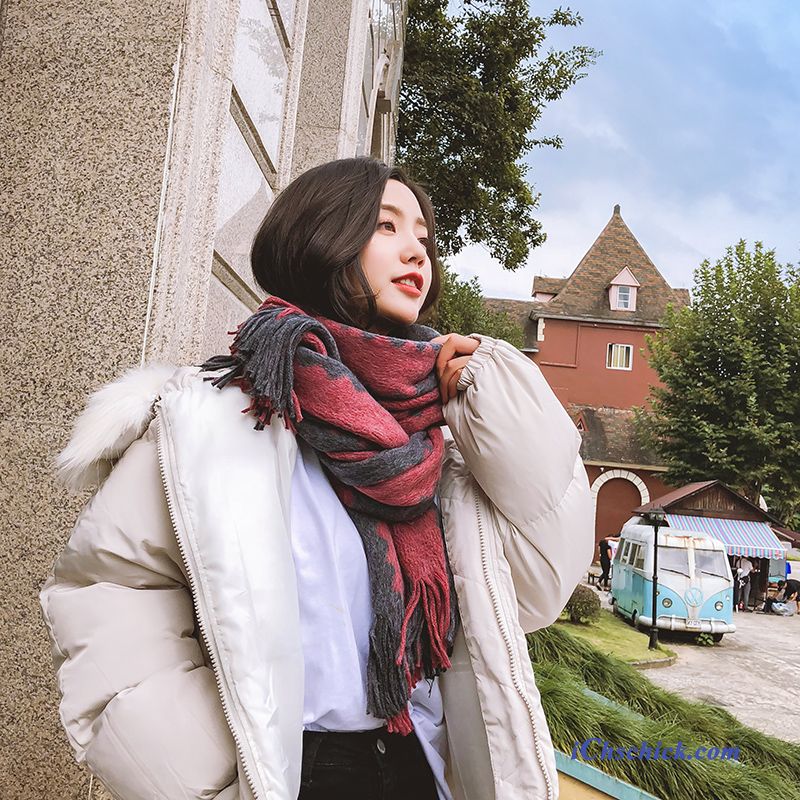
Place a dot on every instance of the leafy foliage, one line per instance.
(461, 310)
(475, 83)
(583, 606)
(729, 407)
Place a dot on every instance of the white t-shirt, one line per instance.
(336, 616)
(745, 567)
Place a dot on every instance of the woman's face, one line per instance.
(395, 260)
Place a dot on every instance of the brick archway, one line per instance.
(625, 491)
(625, 474)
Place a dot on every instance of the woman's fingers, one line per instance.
(449, 376)
(445, 354)
(455, 353)
(453, 383)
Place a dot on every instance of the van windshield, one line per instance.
(711, 562)
(674, 559)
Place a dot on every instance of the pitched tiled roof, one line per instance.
(670, 498)
(793, 537)
(676, 496)
(519, 311)
(610, 437)
(584, 293)
(548, 285)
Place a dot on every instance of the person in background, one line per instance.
(787, 592)
(745, 569)
(779, 595)
(605, 563)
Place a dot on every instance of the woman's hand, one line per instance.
(453, 357)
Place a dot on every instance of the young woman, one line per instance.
(325, 596)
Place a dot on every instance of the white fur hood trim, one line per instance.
(115, 416)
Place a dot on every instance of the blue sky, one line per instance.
(690, 120)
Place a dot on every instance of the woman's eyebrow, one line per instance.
(396, 210)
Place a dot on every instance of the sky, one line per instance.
(690, 121)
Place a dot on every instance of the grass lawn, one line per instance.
(615, 637)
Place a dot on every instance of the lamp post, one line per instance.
(655, 517)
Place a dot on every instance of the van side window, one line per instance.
(639, 560)
(626, 546)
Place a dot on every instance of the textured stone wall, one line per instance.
(93, 122)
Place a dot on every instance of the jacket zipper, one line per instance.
(499, 617)
(194, 589)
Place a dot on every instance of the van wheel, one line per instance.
(717, 637)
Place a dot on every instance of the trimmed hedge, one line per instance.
(583, 606)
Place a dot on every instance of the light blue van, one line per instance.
(695, 586)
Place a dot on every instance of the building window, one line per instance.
(622, 298)
(620, 356)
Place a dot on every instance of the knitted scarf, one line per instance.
(369, 406)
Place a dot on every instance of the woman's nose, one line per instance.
(416, 250)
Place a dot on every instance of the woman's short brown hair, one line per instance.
(307, 250)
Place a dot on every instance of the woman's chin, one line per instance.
(391, 322)
(399, 316)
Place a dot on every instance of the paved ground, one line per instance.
(753, 673)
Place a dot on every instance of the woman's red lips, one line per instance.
(411, 290)
(414, 276)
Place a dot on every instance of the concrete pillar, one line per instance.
(330, 83)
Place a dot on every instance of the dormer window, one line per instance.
(622, 291)
(624, 299)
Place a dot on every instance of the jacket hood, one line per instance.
(115, 416)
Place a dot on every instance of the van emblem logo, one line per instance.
(693, 597)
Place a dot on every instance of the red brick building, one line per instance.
(587, 334)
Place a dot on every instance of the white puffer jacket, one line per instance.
(173, 610)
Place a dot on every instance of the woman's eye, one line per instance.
(386, 222)
(424, 242)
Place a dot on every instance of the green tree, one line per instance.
(475, 83)
(461, 310)
(729, 407)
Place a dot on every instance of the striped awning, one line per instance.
(741, 537)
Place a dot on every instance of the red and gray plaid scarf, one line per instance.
(369, 405)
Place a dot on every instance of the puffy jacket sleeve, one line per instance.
(524, 452)
(138, 704)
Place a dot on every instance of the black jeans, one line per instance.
(368, 765)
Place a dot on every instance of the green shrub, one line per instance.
(583, 606)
